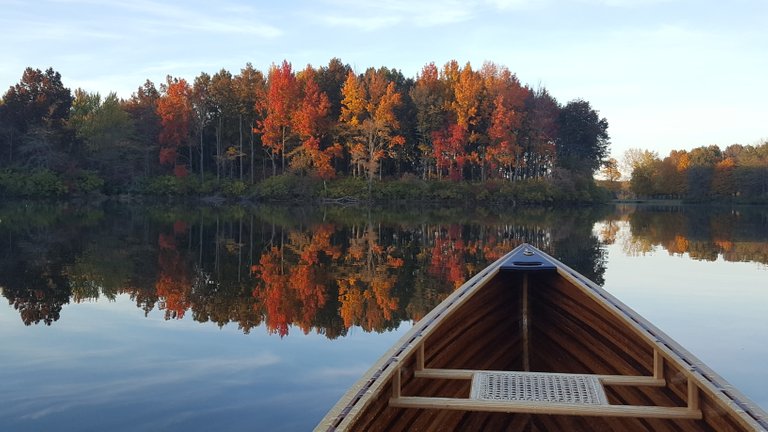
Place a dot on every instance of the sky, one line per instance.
(666, 74)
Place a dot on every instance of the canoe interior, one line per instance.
(567, 332)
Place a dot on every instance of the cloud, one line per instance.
(149, 15)
(626, 3)
(517, 4)
(376, 15)
(371, 16)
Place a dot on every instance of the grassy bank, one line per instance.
(292, 188)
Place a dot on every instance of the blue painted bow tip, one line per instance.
(527, 258)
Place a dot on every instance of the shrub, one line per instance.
(38, 183)
(234, 188)
(88, 182)
(287, 187)
(162, 185)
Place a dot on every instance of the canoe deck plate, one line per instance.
(538, 387)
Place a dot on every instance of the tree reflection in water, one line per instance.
(320, 270)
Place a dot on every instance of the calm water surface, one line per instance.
(172, 318)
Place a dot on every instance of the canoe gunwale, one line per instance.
(701, 378)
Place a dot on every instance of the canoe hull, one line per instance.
(543, 321)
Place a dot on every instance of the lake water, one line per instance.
(161, 318)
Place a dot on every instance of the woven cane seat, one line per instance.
(538, 387)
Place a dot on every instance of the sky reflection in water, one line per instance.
(103, 366)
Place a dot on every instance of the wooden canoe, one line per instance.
(529, 344)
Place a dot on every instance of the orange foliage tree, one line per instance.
(175, 111)
(368, 116)
(505, 106)
(311, 123)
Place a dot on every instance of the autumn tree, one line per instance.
(448, 146)
(175, 111)
(276, 128)
(672, 176)
(311, 122)
(468, 91)
(611, 170)
(505, 106)
(368, 116)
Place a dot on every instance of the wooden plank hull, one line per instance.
(543, 321)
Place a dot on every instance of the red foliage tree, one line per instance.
(311, 122)
(279, 105)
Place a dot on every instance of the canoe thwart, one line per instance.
(543, 393)
(611, 380)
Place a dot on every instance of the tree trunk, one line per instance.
(240, 150)
(202, 152)
(253, 168)
(218, 150)
(282, 152)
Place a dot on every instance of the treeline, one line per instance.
(738, 173)
(453, 122)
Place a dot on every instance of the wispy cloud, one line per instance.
(627, 3)
(373, 16)
(517, 4)
(376, 15)
(148, 14)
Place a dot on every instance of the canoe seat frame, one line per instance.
(691, 411)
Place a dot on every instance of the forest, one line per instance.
(317, 128)
(737, 174)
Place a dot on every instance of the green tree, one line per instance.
(702, 170)
(582, 142)
(106, 131)
(225, 112)
(142, 109)
(250, 91)
(428, 96)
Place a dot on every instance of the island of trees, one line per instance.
(739, 173)
(450, 132)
